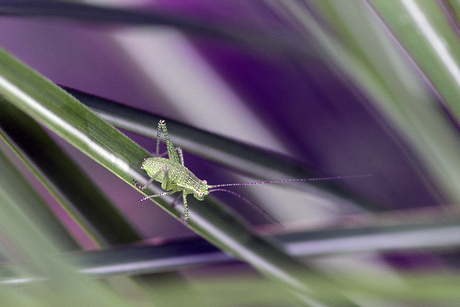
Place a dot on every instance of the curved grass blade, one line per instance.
(64, 179)
(430, 39)
(29, 201)
(244, 158)
(37, 247)
(369, 56)
(63, 114)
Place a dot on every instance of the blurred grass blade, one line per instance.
(134, 259)
(430, 39)
(60, 112)
(37, 247)
(276, 41)
(176, 254)
(371, 58)
(435, 236)
(69, 185)
(13, 181)
(244, 158)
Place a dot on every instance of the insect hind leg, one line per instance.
(185, 218)
(171, 150)
(178, 149)
(181, 155)
(157, 151)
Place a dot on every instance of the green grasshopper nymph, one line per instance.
(175, 177)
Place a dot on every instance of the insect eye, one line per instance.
(200, 194)
(204, 182)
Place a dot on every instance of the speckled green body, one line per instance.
(171, 173)
(173, 176)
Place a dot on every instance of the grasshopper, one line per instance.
(174, 176)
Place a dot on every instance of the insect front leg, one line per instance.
(157, 195)
(166, 184)
(169, 185)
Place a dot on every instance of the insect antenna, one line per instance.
(216, 188)
(253, 205)
(286, 180)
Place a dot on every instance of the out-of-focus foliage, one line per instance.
(394, 63)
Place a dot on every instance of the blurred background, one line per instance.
(339, 88)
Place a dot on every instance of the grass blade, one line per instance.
(64, 115)
(64, 179)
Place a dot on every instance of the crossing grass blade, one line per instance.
(64, 115)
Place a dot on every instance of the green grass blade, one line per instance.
(37, 247)
(246, 159)
(430, 40)
(68, 184)
(13, 181)
(370, 57)
(64, 115)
